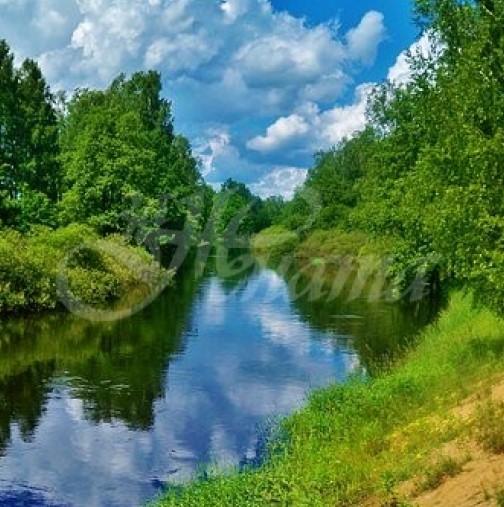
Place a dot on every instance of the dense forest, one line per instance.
(425, 180)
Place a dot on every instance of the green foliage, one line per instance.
(334, 177)
(29, 265)
(425, 177)
(332, 244)
(361, 439)
(103, 156)
(119, 153)
(274, 242)
(30, 174)
(240, 213)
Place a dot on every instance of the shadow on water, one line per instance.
(355, 308)
(118, 369)
(29, 497)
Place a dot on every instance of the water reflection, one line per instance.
(375, 328)
(105, 414)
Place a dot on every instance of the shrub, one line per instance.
(97, 270)
(332, 244)
(275, 242)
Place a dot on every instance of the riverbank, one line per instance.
(40, 269)
(384, 441)
(325, 244)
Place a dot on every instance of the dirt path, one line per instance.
(481, 479)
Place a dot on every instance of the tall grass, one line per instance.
(275, 242)
(360, 439)
(332, 244)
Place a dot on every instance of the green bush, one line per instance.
(275, 242)
(97, 270)
(332, 244)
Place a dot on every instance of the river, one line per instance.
(108, 414)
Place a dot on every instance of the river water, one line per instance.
(107, 414)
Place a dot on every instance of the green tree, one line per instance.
(119, 148)
(238, 211)
(30, 176)
(434, 183)
(334, 178)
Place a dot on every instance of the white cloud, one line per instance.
(183, 52)
(50, 21)
(216, 145)
(277, 58)
(281, 181)
(401, 73)
(311, 130)
(221, 159)
(342, 122)
(282, 132)
(234, 9)
(364, 39)
(290, 53)
(326, 88)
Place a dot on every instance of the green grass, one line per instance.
(495, 494)
(489, 426)
(363, 438)
(499, 497)
(332, 244)
(275, 242)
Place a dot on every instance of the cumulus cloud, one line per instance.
(363, 40)
(281, 181)
(313, 129)
(273, 55)
(341, 122)
(221, 159)
(282, 132)
(184, 52)
(401, 73)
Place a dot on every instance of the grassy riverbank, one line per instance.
(96, 270)
(278, 241)
(358, 443)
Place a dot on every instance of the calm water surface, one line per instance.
(107, 414)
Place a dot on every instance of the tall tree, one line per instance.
(39, 135)
(30, 176)
(119, 148)
(8, 114)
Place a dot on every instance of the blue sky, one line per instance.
(258, 86)
(401, 30)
